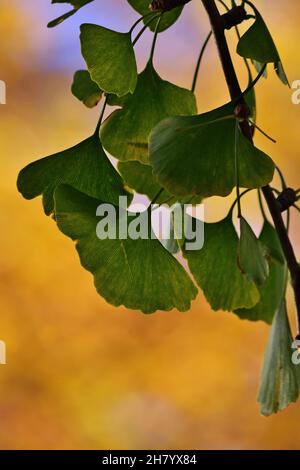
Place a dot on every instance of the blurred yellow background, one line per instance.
(83, 374)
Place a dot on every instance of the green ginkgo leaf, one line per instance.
(84, 89)
(110, 59)
(84, 166)
(169, 17)
(196, 155)
(139, 274)
(280, 381)
(271, 292)
(77, 4)
(216, 271)
(281, 73)
(252, 255)
(139, 177)
(125, 133)
(257, 44)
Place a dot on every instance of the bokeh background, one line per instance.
(83, 374)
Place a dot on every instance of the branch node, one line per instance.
(234, 17)
(242, 111)
(286, 199)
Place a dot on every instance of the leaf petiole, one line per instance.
(282, 179)
(137, 22)
(155, 37)
(199, 61)
(237, 173)
(141, 32)
(156, 197)
(236, 200)
(101, 116)
(263, 212)
(262, 132)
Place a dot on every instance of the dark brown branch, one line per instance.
(235, 92)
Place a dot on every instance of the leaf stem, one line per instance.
(101, 116)
(236, 200)
(282, 179)
(262, 132)
(202, 50)
(296, 207)
(237, 170)
(155, 37)
(137, 22)
(141, 32)
(252, 84)
(262, 206)
(275, 190)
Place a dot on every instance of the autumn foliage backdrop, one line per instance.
(83, 374)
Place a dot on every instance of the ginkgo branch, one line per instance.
(235, 93)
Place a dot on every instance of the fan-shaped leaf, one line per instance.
(84, 89)
(125, 133)
(252, 255)
(196, 155)
(77, 4)
(84, 166)
(271, 292)
(140, 178)
(216, 271)
(139, 274)
(110, 59)
(280, 381)
(257, 44)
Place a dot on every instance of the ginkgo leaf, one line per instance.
(139, 177)
(110, 59)
(271, 292)
(280, 381)
(84, 166)
(196, 155)
(278, 67)
(257, 44)
(84, 89)
(252, 255)
(169, 17)
(139, 274)
(126, 131)
(77, 4)
(215, 269)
